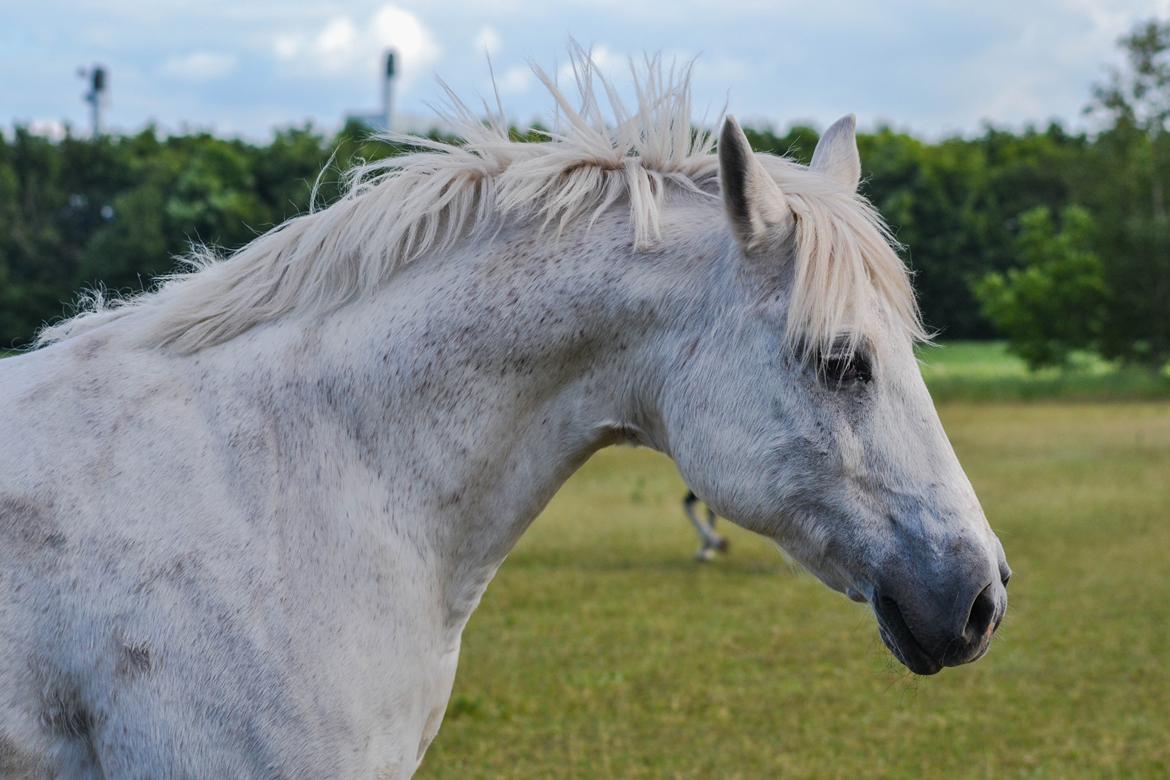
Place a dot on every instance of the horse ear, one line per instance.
(752, 198)
(836, 153)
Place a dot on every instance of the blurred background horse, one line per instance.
(710, 542)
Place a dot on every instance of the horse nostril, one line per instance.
(982, 614)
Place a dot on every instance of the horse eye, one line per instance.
(839, 370)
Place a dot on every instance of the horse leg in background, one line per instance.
(720, 542)
(709, 541)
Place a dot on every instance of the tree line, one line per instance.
(1058, 240)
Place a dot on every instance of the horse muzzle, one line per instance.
(928, 634)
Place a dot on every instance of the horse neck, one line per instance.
(475, 383)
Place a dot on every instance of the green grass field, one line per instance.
(602, 650)
(986, 371)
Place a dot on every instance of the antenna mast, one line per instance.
(99, 88)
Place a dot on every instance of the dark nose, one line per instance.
(929, 633)
(983, 619)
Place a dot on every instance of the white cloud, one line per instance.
(335, 42)
(418, 51)
(514, 80)
(53, 129)
(286, 46)
(345, 46)
(200, 66)
(487, 39)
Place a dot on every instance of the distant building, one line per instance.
(382, 121)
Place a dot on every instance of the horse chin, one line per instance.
(901, 642)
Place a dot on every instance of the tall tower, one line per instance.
(381, 121)
(388, 90)
(99, 88)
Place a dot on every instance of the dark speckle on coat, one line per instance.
(64, 714)
(88, 348)
(15, 762)
(134, 660)
(28, 524)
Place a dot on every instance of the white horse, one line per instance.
(245, 517)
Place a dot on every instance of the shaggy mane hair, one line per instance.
(396, 211)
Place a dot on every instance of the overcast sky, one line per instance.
(246, 66)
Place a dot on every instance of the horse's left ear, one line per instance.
(754, 202)
(836, 153)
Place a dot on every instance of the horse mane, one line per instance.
(397, 210)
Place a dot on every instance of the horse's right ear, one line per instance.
(753, 200)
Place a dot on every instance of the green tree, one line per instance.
(1054, 303)
(1131, 165)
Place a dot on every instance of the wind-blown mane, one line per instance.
(397, 210)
